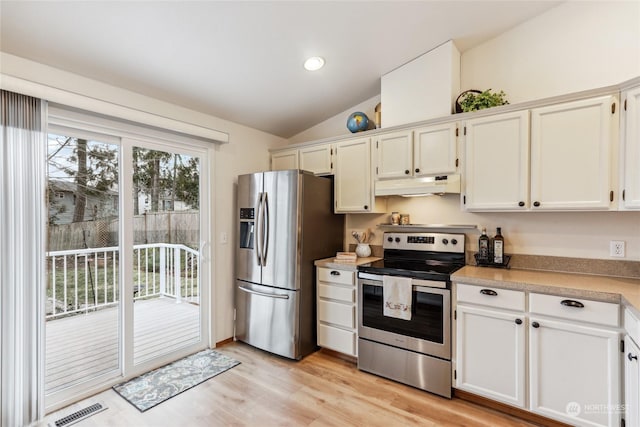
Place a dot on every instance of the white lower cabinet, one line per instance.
(491, 354)
(573, 373)
(631, 383)
(336, 304)
(631, 369)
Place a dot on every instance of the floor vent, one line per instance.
(78, 415)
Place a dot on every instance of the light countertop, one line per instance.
(599, 288)
(348, 266)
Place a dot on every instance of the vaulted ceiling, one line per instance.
(242, 61)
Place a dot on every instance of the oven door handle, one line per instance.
(416, 283)
(421, 289)
(426, 290)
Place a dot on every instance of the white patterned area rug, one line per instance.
(154, 387)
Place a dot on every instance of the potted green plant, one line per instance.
(472, 100)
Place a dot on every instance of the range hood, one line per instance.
(418, 186)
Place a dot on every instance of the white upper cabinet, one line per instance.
(285, 159)
(571, 152)
(630, 160)
(497, 162)
(353, 181)
(426, 151)
(395, 155)
(561, 160)
(317, 159)
(435, 150)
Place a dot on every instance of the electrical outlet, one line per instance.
(616, 248)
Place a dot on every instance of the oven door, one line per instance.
(428, 331)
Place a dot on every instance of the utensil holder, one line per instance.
(363, 250)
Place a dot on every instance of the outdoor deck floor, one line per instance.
(86, 345)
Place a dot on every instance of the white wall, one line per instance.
(337, 125)
(574, 46)
(246, 152)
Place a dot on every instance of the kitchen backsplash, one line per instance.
(572, 235)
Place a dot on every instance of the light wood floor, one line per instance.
(267, 390)
(86, 345)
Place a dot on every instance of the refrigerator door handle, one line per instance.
(263, 294)
(259, 230)
(265, 231)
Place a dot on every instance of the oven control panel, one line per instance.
(436, 242)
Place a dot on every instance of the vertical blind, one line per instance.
(22, 272)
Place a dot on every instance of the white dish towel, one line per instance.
(396, 295)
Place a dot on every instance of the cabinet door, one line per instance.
(631, 383)
(435, 150)
(497, 162)
(491, 355)
(631, 151)
(317, 159)
(283, 160)
(571, 151)
(574, 372)
(395, 155)
(353, 182)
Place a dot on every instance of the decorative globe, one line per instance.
(357, 122)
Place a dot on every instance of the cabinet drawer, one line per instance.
(335, 276)
(632, 325)
(491, 297)
(337, 313)
(603, 313)
(337, 339)
(340, 293)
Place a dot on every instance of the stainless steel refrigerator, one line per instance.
(286, 222)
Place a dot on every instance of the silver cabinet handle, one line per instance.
(264, 294)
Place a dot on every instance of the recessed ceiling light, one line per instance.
(314, 63)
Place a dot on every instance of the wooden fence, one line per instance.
(160, 227)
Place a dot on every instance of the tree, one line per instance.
(158, 173)
(151, 175)
(92, 165)
(80, 195)
(187, 183)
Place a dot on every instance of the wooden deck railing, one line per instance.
(82, 280)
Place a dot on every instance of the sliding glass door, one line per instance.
(82, 309)
(166, 260)
(126, 286)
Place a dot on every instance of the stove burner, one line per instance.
(422, 262)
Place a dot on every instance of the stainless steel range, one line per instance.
(404, 310)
